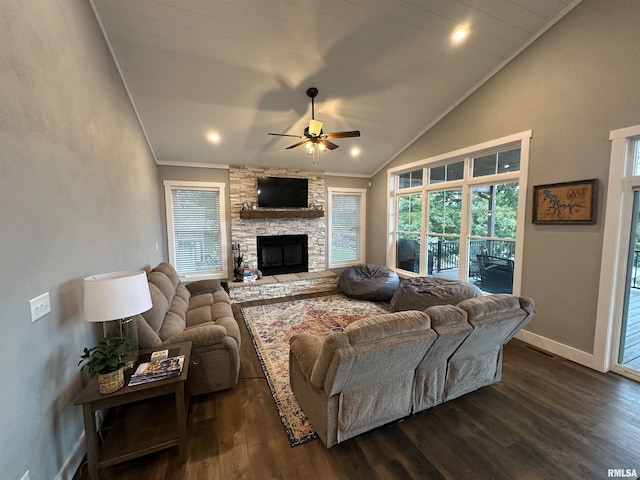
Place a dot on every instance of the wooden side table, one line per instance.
(143, 425)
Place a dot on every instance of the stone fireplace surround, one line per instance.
(243, 186)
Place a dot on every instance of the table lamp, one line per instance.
(114, 298)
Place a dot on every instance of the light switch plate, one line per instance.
(40, 306)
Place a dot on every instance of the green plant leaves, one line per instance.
(108, 355)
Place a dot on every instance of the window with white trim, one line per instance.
(346, 216)
(461, 215)
(196, 228)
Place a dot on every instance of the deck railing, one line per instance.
(445, 254)
(635, 281)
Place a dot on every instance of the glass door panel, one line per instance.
(408, 232)
(443, 233)
(494, 214)
(629, 352)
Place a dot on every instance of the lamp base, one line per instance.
(127, 330)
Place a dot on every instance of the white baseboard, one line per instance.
(557, 348)
(73, 461)
(75, 458)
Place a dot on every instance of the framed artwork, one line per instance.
(565, 203)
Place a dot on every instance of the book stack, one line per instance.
(248, 275)
(157, 370)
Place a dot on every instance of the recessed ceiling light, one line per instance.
(459, 34)
(355, 151)
(213, 137)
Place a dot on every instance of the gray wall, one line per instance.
(572, 87)
(79, 196)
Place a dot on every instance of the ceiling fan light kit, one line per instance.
(315, 140)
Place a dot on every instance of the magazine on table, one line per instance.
(157, 370)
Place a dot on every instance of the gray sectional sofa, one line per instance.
(389, 366)
(199, 312)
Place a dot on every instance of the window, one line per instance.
(445, 173)
(346, 212)
(409, 227)
(410, 179)
(463, 221)
(196, 228)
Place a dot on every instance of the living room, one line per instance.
(83, 194)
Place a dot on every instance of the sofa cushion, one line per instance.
(446, 315)
(183, 293)
(378, 327)
(170, 272)
(164, 284)
(198, 301)
(147, 337)
(179, 306)
(333, 342)
(159, 308)
(173, 325)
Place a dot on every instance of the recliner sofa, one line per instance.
(199, 312)
(386, 367)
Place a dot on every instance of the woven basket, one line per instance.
(111, 382)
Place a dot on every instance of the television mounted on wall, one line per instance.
(283, 192)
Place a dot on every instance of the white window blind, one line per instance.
(346, 227)
(196, 230)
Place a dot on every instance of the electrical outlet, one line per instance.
(25, 476)
(40, 306)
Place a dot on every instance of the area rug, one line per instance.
(271, 327)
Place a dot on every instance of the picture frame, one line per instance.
(565, 203)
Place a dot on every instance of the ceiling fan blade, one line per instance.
(297, 144)
(284, 135)
(353, 133)
(330, 145)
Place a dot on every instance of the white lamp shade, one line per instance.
(117, 295)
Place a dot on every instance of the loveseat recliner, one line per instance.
(386, 367)
(199, 312)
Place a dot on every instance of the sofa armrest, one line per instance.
(305, 348)
(199, 287)
(200, 335)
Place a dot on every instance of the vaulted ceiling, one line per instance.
(240, 69)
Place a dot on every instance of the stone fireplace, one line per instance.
(278, 254)
(243, 186)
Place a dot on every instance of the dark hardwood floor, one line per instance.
(547, 419)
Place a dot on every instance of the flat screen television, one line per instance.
(281, 192)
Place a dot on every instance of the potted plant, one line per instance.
(107, 360)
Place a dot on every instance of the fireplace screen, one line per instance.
(278, 254)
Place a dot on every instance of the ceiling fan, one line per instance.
(314, 137)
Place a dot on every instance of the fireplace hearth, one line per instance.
(279, 254)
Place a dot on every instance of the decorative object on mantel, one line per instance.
(115, 298)
(245, 206)
(565, 203)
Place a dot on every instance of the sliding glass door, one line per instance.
(629, 351)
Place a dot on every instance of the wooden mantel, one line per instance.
(281, 213)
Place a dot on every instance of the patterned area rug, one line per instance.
(271, 327)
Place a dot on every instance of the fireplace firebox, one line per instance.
(278, 254)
